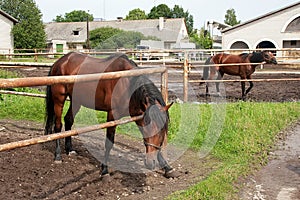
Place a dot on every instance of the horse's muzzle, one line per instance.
(150, 164)
(151, 160)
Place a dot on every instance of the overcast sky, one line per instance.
(200, 9)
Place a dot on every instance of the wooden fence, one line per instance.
(38, 81)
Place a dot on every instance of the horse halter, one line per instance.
(153, 145)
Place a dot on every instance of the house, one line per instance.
(73, 35)
(277, 29)
(7, 22)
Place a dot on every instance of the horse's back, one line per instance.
(76, 63)
(225, 58)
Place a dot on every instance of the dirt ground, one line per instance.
(280, 178)
(30, 173)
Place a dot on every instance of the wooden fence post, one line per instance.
(164, 85)
(185, 77)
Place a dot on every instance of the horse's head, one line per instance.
(154, 128)
(269, 57)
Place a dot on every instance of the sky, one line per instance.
(202, 10)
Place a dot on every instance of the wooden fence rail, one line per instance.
(55, 136)
(49, 80)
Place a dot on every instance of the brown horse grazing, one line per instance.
(118, 97)
(244, 71)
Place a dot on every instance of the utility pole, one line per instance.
(87, 32)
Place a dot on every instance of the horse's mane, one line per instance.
(256, 57)
(143, 92)
(144, 89)
(116, 55)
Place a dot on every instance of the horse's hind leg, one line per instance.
(243, 90)
(220, 76)
(250, 87)
(109, 142)
(69, 121)
(58, 108)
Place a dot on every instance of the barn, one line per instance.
(6, 38)
(277, 29)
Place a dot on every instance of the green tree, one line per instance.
(230, 17)
(99, 35)
(136, 14)
(202, 39)
(113, 38)
(161, 10)
(74, 16)
(178, 12)
(29, 32)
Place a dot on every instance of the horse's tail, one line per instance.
(206, 69)
(50, 115)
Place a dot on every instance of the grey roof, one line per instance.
(64, 30)
(261, 17)
(8, 17)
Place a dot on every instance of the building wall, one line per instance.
(6, 37)
(270, 28)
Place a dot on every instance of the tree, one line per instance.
(29, 32)
(202, 39)
(230, 18)
(136, 14)
(99, 35)
(161, 10)
(74, 16)
(113, 38)
(178, 12)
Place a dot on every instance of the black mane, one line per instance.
(143, 89)
(143, 92)
(256, 57)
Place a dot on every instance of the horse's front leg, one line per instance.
(169, 171)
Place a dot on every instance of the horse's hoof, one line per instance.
(57, 161)
(172, 174)
(105, 178)
(72, 153)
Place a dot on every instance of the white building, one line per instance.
(277, 29)
(6, 37)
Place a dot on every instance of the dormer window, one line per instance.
(76, 32)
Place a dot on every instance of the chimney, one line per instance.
(119, 19)
(161, 23)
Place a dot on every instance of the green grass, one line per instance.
(248, 133)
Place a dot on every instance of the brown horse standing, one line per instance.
(244, 71)
(118, 97)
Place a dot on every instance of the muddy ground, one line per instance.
(30, 173)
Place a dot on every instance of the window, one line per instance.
(76, 32)
(293, 42)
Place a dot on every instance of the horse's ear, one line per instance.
(166, 108)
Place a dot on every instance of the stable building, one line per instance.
(73, 35)
(277, 29)
(7, 23)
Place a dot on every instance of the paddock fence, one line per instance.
(183, 63)
(38, 81)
